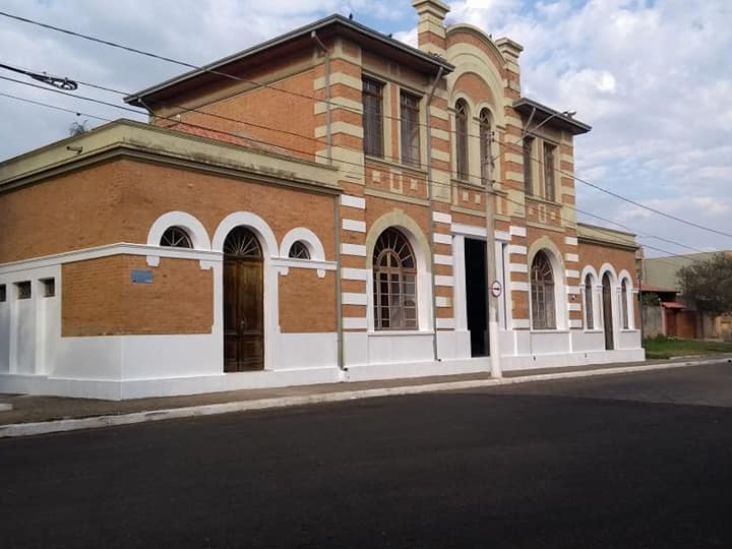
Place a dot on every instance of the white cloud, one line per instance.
(653, 78)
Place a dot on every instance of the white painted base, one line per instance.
(162, 387)
(417, 369)
(559, 360)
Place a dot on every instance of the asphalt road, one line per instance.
(638, 460)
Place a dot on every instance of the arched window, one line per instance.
(395, 283)
(543, 314)
(241, 242)
(486, 154)
(589, 305)
(176, 237)
(624, 303)
(461, 143)
(299, 250)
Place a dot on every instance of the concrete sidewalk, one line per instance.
(42, 414)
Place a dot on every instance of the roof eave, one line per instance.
(526, 106)
(436, 63)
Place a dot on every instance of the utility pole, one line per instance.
(491, 274)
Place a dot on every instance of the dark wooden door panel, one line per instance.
(243, 315)
(607, 312)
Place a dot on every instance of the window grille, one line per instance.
(241, 242)
(395, 283)
(373, 134)
(589, 305)
(461, 144)
(549, 183)
(410, 129)
(486, 154)
(543, 312)
(299, 250)
(176, 237)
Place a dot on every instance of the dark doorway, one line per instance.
(243, 302)
(607, 311)
(476, 296)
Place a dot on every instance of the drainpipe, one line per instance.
(339, 304)
(431, 212)
(328, 129)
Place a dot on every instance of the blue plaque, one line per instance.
(142, 277)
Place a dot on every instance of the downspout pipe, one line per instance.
(430, 96)
(328, 128)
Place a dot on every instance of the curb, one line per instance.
(62, 425)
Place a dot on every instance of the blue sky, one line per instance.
(653, 79)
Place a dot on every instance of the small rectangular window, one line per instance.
(49, 287)
(23, 289)
(410, 129)
(528, 173)
(549, 184)
(373, 133)
(3, 293)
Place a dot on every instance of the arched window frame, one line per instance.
(543, 299)
(176, 236)
(626, 296)
(589, 301)
(485, 129)
(395, 302)
(462, 144)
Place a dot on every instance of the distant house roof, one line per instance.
(291, 42)
(672, 305)
(661, 271)
(604, 236)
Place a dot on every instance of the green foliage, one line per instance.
(664, 347)
(651, 300)
(708, 284)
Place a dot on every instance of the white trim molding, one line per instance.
(353, 201)
(353, 225)
(307, 237)
(195, 229)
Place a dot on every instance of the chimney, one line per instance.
(431, 29)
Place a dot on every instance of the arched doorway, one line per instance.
(243, 302)
(607, 311)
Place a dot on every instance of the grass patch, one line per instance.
(663, 347)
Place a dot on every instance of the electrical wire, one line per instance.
(105, 103)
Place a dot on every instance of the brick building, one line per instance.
(312, 209)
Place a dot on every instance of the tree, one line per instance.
(708, 284)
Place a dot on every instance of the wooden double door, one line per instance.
(607, 312)
(243, 302)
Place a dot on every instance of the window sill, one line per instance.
(383, 333)
(541, 200)
(550, 331)
(392, 164)
(468, 184)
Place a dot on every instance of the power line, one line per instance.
(259, 84)
(486, 192)
(42, 104)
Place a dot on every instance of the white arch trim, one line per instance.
(625, 275)
(607, 268)
(252, 221)
(595, 297)
(544, 244)
(195, 229)
(306, 236)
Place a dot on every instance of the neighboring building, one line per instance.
(674, 316)
(319, 215)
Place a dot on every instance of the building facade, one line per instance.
(330, 205)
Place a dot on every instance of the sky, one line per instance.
(652, 77)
